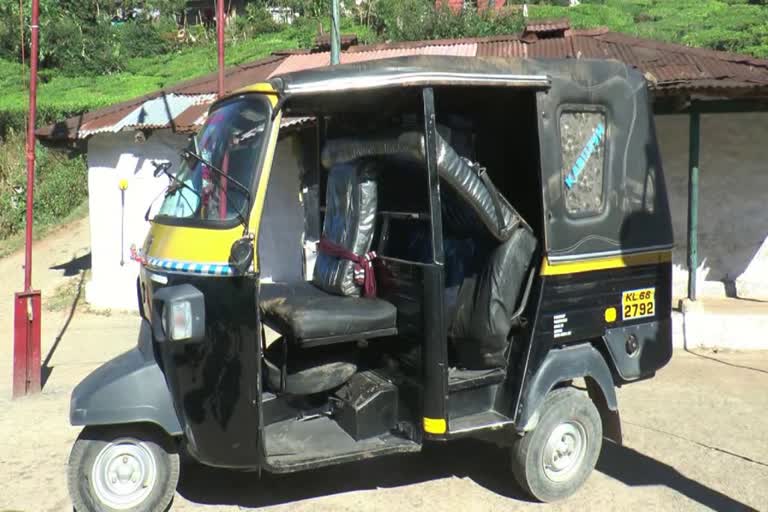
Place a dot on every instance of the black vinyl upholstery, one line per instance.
(329, 309)
(467, 179)
(351, 202)
(487, 301)
(310, 316)
(307, 371)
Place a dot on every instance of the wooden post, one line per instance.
(694, 144)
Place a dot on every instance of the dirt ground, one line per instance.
(696, 437)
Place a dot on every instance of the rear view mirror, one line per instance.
(241, 254)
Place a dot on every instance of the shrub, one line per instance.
(60, 185)
(144, 39)
(410, 20)
(256, 20)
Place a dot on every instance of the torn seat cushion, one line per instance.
(303, 312)
(350, 215)
(487, 302)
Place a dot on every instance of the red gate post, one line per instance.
(26, 346)
(220, 21)
(26, 330)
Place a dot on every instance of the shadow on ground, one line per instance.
(75, 265)
(484, 463)
(638, 470)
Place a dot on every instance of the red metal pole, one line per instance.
(26, 354)
(220, 36)
(31, 142)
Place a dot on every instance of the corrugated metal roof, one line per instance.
(160, 112)
(235, 77)
(670, 69)
(548, 25)
(503, 48)
(191, 119)
(555, 48)
(320, 59)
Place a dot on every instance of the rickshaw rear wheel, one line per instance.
(132, 468)
(554, 460)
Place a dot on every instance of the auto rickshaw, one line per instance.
(354, 261)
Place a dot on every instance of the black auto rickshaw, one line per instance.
(445, 247)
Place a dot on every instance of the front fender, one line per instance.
(130, 388)
(564, 364)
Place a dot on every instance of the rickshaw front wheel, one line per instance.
(555, 459)
(132, 468)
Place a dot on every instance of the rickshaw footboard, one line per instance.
(297, 445)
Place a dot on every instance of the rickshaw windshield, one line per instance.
(218, 167)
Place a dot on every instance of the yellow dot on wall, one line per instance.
(123, 184)
(610, 315)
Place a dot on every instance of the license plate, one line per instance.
(638, 303)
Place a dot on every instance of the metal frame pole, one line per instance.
(220, 19)
(35, 33)
(694, 144)
(435, 354)
(335, 34)
(26, 329)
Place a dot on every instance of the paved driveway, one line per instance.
(696, 438)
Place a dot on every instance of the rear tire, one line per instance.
(554, 460)
(132, 468)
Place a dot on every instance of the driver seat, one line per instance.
(329, 309)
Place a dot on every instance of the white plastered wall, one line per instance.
(282, 224)
(112, 157)
(733, 201)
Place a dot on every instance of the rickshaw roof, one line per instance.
(439, 70)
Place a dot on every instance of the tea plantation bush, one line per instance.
(61, 185)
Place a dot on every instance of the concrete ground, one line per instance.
(696, 436)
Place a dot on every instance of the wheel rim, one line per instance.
(564, 451)
(124, 473)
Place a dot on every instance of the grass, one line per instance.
(728, 25)
(61, 96)
(16, 242)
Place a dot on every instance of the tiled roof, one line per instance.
(670, 69)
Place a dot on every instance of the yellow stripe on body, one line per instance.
(261, 189)
(611, 262)
(259, 87)
(435, 426)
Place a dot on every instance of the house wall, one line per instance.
(282, 223)
(733, 218)
(112, 157)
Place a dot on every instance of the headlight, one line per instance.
(178, 314)
(180, 320)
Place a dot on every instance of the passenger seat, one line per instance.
(330, 309)
(487, 301)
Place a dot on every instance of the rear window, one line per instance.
(582, 144)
